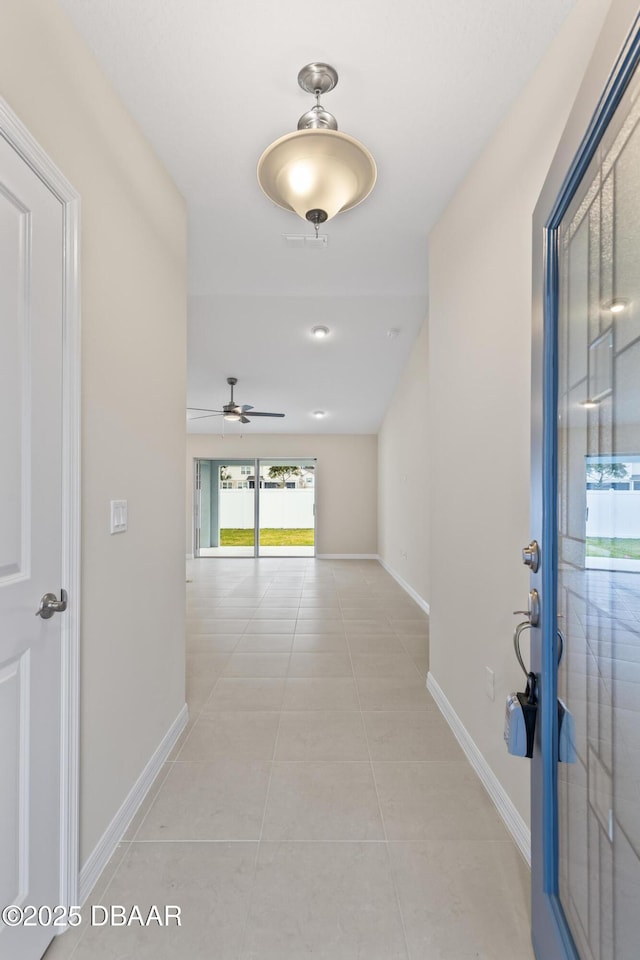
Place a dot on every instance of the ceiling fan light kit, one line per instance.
(317, 172)
(232, 411)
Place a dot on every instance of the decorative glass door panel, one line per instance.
(598, 547)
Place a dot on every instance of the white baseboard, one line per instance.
(506, 808)
(346, 556)
(405, 586)
(101, 854)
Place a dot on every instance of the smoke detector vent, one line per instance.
(301, 241)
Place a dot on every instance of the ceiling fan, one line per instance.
(230, 411)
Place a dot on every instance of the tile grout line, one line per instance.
(397, 896)
(222, 843)
(411, 657)
(169, 763)
(382, 820)
(169, 766)
(103, 896)
(366, 737)
(414, 763)
(264, 816)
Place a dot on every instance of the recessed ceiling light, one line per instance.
(320, 332)
(618, 305)
(393, 333)
(319, 413)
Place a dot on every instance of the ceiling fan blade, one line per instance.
(256, 413)
(204, 416)
(244, 408)
(244, 419)
(204, 409)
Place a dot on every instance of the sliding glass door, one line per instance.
(224, 508)
(249, 508)
(287, 508)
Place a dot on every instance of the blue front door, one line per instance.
(586, 463)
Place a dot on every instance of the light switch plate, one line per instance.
(118, 516)
(490, 683)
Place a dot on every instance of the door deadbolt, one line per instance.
(531, 556)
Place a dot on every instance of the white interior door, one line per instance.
(31, 351)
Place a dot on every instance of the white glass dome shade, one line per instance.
(317, 170)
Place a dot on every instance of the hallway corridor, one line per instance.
(317, 805)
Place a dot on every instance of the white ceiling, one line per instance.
(423, 83)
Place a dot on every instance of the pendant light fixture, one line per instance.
(317, 172)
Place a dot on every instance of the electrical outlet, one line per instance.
(489, 683)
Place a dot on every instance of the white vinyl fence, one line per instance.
(279, 508)
(613, 513)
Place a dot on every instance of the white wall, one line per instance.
(346, 481)
(479, 374)
(404, 466)
(133, 280)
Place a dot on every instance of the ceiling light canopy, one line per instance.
(317, 172)
(319, 414)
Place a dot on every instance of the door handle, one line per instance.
(526, 625)
(50, 605)
(533, 613)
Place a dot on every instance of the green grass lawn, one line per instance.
(269, 537)
(618, 548)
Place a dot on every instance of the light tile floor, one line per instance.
(317, 805)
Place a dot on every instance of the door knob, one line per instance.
(50, 605)
(531, 556)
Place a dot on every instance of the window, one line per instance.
(226, 484)
(245, 470)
